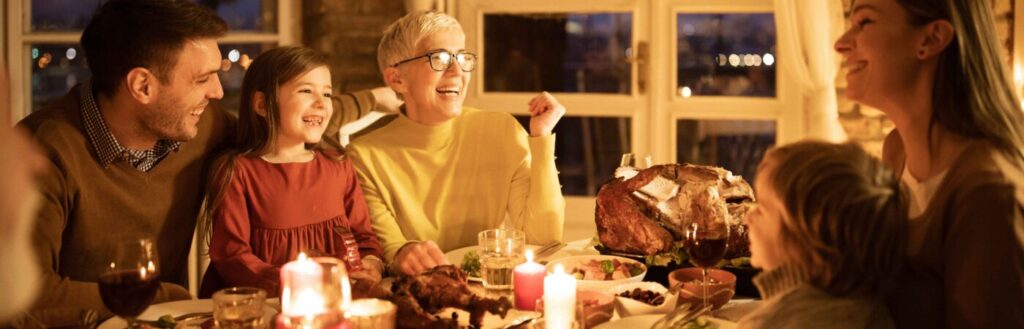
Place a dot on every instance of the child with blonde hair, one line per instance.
(829, 234)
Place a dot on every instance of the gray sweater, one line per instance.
(791, 302)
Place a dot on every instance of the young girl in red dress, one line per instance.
(279, 193)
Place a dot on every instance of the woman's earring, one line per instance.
(920, 53)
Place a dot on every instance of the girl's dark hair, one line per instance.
(125, 34)
(255, 134)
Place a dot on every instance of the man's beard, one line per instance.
(166, 120)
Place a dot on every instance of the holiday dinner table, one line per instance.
(729, 313)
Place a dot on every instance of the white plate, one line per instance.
(455, 256)
(568, 263)
(180, 307)
(646, 321)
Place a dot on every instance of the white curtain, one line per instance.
(811, 27)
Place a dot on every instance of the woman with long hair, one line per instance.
(934, 68)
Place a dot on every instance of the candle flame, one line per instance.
(529, 256)
(559, 269)
(302, 256)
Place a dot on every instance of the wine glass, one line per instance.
(706, 241)
(130, 277)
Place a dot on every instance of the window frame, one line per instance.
(654, 109)
(18, 40)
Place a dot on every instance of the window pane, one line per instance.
(726, 54)
(246, 15)
(587, 150)
(55, 69)
(236, 60)
(563, 52)
(736, 145)
(62, 15)
(74, 15)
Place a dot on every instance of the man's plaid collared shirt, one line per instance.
(106, 145)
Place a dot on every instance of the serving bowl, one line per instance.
(572, 262)
(719, 292)
(629, 307)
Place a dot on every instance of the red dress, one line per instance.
(272, 211)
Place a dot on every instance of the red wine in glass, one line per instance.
(706, 252)
(706, 242)
(128, 292)
(130, 278)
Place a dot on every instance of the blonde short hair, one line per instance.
(845, 215)
(400, 38)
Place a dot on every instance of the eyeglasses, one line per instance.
(440, 60)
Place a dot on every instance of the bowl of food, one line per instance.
(721, 285)
(600, 272)
(638, 298)
(598, 306)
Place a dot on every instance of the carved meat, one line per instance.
(647, 212)
(420, 297)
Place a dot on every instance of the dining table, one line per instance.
(727, 315)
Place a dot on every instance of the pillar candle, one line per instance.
(528, 282)
(302, 287)
(559, 299)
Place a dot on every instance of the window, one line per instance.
(694, 81)
(45, 59)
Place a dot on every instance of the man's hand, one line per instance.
(416, 257)
(545, 111)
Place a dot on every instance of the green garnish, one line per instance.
(635, 270)
(607, 267)
(166, 321)
(740, 262)
(471, 264)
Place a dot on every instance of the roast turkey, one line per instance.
(644, 211)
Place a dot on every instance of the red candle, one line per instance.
(528, 282)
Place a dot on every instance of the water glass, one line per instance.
(239, 307)
(500, 251)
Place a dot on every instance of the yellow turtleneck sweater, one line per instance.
(446, 183)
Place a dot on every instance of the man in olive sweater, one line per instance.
(129, 150)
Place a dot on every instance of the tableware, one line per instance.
(706, 242)
(544, 323)
(456, 256)
(130, 277)
(648, 320)
(500, 251)
(693, 288)
(548, 249)
(371, 313)
(184, 307)
(659, 273)
(680, 316)
(629, 307)
(598, 306)
(574, 262)
(239, 307)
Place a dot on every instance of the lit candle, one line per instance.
(528, 282)
(302, 287)
(559, 299)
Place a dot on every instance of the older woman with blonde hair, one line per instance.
(935, 68)
(828, 232)
(440, 173)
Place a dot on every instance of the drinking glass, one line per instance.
(706, 241)
(239, 307)
(500, 251)
(130, 277)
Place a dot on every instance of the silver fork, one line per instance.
(178, 319)
(680, 315)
